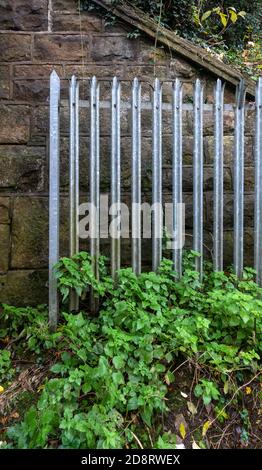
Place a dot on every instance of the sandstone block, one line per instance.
(209, 143)
(4, 82)
(4, 210)
(22, 168)
(4, 247)
(67, 47)
(71, 22)
(23, 15)
(15, 47)
(30, 232)
(15, 122)
(35, 71)
(115, 47)
(23, 288)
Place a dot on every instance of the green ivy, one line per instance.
(114, 370)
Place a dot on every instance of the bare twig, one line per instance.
(137, 440)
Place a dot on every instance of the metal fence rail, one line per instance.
(94, 105)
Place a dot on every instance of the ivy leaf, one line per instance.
(223, 19)
(233, 16)
(118, 362)
(205, 428)
(206, 15)
(182, 430)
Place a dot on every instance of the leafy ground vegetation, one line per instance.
(229, 29)
(164, 362)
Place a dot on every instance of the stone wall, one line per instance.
(37, 36)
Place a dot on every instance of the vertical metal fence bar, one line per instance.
(258, 183)
(157, 216)
(54, 154)
(115, 176)
(218, 177)
(73, 175)
(198, 176)
(177, 169)
(239, 180)
(136, 177)
(77, 169)
(94, 181)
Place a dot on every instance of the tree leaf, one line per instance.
(205, 428)
(233, 16)
(223, 19)
(182, 430)
(226, 387)
(194, 445)
(206, 15)
(192, 408)
(242, 14)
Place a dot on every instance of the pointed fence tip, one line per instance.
(93, 80)
(54, 75)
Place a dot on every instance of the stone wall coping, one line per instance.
(137, 18)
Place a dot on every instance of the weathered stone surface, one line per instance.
(23, 15)
(4, 210)
(248, 247)
(4, 82)
(15, 122)
(4, 247)
(99, 70)
(65, 5)
(149, 54)
(250, 122)
(249, 179)
(228, 205)
(22, 167)
(22, 288)
(229, 94)
(181, 68)
(146, 167)
(67, 47)
(40, 121)
(208, 122)
(36, 71)
(72, 22)
(30, 232)
(208, 178)
(36, 90)
(146, 72)
(15, 47)
(209, 143)
(113, 47)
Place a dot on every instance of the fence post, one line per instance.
(239, 179)
(53, 197)
(198, 176)
(218, 177)
(74, 176)
(115, 178)
(157, 216)
(258, 182)
(136, 177)
(177, 195)
(94, 182)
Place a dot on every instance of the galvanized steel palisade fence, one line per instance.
(94, 104)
